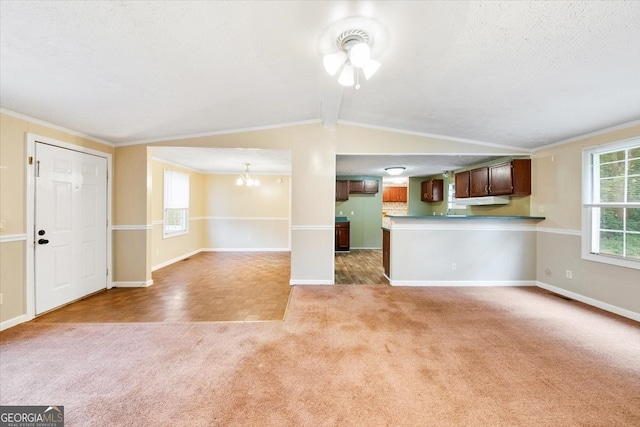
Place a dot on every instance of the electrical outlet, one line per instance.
(454, 266)
(569, 274)
(351, 212)
(540, 209)
(0, 299)
(3, 224)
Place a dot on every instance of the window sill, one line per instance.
(620, 262)
(174, 234)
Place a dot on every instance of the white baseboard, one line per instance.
(456, 283)
(310, 282)
(133, 284)
(592, 302)
(13, 322)
(245, 250)
(176, 259)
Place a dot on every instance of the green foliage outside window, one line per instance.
(619, 183)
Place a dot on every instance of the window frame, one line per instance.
(591, 224)
(451, 198)
(166, 200)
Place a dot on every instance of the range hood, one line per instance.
(485, 200)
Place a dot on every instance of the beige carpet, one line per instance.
(345, 355)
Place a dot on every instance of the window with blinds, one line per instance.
(611, 204)
(176, 203)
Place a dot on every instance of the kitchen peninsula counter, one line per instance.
(459, 250)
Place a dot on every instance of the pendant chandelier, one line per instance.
(353, 58)
(246, 178)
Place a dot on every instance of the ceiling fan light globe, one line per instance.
(333, 61)
(370, 68)
(359, 54)
(346, 77)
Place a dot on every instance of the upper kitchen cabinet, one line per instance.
(462, 185)
(432, 190)
(513, 178)
(509, 178)
(394, 194)
(479, 182)
(367, 186)
(342, 190)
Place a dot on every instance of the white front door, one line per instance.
(70, 225)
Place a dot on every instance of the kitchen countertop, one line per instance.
(342, 219)
(388, 220)
(461, 217)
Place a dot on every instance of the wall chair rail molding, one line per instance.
(560, 231)
(8, 238)
(132, 227)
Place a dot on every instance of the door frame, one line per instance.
(30, 247)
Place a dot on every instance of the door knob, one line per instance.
(41, 232)
(43, 241)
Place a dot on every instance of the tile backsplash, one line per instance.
(395, 208)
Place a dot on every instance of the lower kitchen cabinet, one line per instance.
(386, 251)
(343, 239)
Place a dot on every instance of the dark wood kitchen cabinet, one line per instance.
(462, 185)
(386, 251)
(513, 178)
(343, 239)
(367, 186)
(432, 190)
(394, 194)
(479, 182)
(342, 191)
(508, 178)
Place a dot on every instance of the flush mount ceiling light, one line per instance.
(349, 46)
(247, 178)
(395, 170)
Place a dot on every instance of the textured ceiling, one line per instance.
(227, 160)
(522, 74)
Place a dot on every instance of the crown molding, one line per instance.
(221, 132)
(588, 135)
(433, 135)
(56, 127)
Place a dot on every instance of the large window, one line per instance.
(176, 203)
(611, 200)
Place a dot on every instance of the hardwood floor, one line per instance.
(210, 286)
(214, 286)
(359, 267)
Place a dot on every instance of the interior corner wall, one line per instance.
(557, 195)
